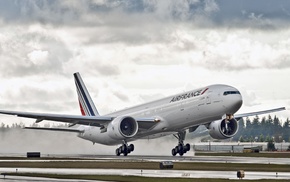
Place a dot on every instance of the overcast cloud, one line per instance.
(130, 52)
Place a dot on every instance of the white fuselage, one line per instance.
(176, 113)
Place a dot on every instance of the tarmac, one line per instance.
(153, 173)
(208, 159)
(250, 175)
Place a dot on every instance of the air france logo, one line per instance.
(188, 95)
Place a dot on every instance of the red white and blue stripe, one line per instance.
(86, 103)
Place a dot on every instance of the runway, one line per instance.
(211, 159)
(153, 173)
(208, 159)
(38, 179)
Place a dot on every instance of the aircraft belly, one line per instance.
(94, 135)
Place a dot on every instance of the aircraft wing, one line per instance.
(98, 121)
(72, 119)
(239, 116)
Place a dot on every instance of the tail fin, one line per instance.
(86, 103)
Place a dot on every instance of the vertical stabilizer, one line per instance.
(87, 105)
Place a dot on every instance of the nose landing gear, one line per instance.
(125, 149)
(180, 148)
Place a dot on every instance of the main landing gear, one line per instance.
(125, 149)
(180, 148)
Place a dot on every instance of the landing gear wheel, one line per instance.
(173, 152)
(187, 147)
(180, 148)
(117, 152)
(124, 149)
(131, 148)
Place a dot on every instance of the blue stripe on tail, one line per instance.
(84, 96)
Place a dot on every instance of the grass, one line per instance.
(132, 178)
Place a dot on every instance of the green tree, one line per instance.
(268, 138)
(241, 130)
(286, 130)
(251, 139)
(271, 146)
(277, 124)
(241, 139)
(248, 127)
(255, 123)
(263, 126)
(261, 138)
(264, 129)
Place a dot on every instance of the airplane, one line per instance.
(213, 106)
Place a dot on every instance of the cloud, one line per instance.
(38, 57)
(91, 13)
(31, 95)
(249, 97)
(143, 49)
(26, 52)
(239, 51)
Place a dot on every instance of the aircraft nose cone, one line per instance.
(233, 104)
(238, 104)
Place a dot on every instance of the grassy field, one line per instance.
(134, 178)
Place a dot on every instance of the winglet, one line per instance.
(87, 106)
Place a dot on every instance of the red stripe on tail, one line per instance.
(82, 110)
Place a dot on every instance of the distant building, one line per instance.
(236, 146)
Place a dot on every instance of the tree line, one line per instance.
(20, 125)
(265, 129)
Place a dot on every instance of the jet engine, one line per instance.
(122, 127)
(223, 129)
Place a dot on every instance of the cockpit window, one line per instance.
(231, 92)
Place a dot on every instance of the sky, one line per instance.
(130, 52)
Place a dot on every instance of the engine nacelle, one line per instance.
(122, 127)
(223, 129)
